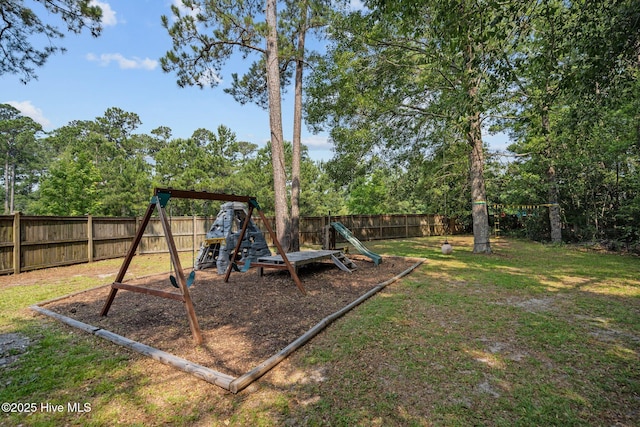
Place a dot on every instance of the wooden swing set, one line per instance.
(159, 201)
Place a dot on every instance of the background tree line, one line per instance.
(104, 167)
(408, 91)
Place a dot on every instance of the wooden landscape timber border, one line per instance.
(37, 242)
(227, 382)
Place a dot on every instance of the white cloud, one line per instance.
(185, 10)
(356, 5)
(209, 77)
(108, 15)
(30, 110)
(124, 63)
(317, 142)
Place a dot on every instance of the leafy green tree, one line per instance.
(258, 169)
(603, 115)
(302, 17)
(319, 194)
(184, 163)
(205, 40)
(436, 182)
(298, 19)
(21, 151)
(70, 188)
(285, 33)
(120, 158)
(605, 36)
(206, 161)
(369, 195)
(405, 71)
(117, 153)
(600, 161)
(26, 42)
(573, 57)
(540, 74)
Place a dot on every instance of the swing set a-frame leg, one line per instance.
(127, 260)
(290, 267)
(173, 252)
(182, 283)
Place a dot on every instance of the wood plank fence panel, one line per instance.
(32, 242)
(112, 236)
(52, 241)
(6, 244)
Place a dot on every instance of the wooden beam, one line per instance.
(199, 371)
(127, 260)
(269, 265)
(292, 270)
(90, 238)
(203, 195)
(17, 241)
(182, 282)
(245, 225)
(148, 291)
(194, 238)
(244, 380)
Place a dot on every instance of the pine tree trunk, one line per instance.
(555, 222)
(275, 122)
(13, 189)
(480, 214)
(554, 208)
(6, 185)
(297, 136)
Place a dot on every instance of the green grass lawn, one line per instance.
(531, 335)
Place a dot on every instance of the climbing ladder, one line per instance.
(343, 263)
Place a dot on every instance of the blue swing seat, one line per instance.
(190, 280)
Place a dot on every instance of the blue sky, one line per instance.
(121, 69)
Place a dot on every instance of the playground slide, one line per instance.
(346, 233)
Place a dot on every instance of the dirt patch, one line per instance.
(12, 346)
(243, 322)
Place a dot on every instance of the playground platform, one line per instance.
(298, 259)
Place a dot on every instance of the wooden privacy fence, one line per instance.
(36, 242)
(379, 227)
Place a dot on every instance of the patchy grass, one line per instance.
(20, 292)
(531, 335)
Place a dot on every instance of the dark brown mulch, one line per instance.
(243, 322)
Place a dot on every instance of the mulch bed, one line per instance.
(243, 322)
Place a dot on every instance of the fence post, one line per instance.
(406, 226)
(195, 236)
(139, 249)
(90, 237)
(17, 238)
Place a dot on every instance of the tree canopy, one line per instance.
(26, 41)
(406, 85)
